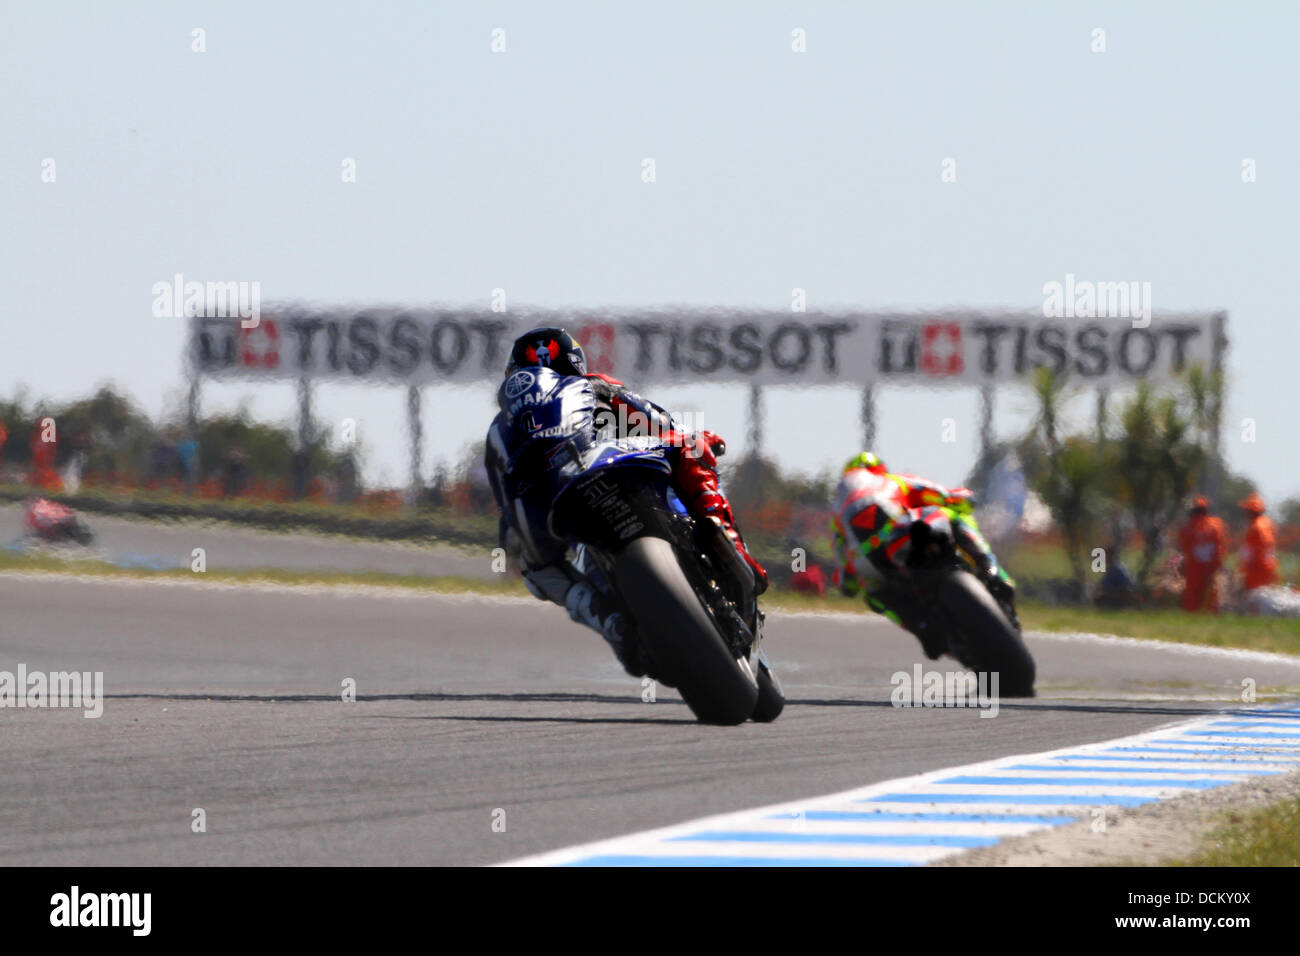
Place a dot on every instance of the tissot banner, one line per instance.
(423, 347)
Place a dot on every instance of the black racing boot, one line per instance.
(588, 606)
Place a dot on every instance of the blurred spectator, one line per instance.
(1201, 541)
(236, 472)
(44, 454)
(299, 470)
(187, 451)
(436, 495)
(162, 462)
(347, 480)
(1257, 558)
(811, 581)
(1117, 588)
(78, 454)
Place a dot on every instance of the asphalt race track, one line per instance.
(228, 698)
(159, 545)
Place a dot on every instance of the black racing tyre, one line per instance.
(771, 698)
(989, 642)
(680, 637)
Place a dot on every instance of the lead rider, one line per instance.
(547, 570)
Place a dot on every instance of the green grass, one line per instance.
(1042, 561)
(1269, 836)
(1169, 624)
(1038, 561)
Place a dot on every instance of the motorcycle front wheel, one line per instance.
(986, 640)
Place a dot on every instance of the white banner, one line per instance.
(422, 347)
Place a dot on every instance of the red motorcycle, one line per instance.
(53, 522)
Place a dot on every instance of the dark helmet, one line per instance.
(548, 348)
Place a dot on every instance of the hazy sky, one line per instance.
(522, 170)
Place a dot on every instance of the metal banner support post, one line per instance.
(301, 462)
(417, 440)
(986, 422)
(304, 413)
(1103, 397)
(1217, 375)
(868, 415)
(755, 421)
(192, 407)
(192, 431)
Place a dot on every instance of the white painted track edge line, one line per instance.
(620, 843)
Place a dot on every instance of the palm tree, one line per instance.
(1073, 474)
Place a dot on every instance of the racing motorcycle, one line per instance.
(53, 522)
(968, 614)
(697, 624)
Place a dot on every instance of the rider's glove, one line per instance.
(704, 446)
(715, 442)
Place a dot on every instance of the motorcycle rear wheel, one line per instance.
(680, 638)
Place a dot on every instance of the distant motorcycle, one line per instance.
(690, 594)
(53, 522)
(966, 615)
